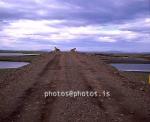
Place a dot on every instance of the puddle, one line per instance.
(132, 67)
(7, 64)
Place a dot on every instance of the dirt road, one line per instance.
(22, 92)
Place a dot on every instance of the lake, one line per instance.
(132, 67)
(16, 54)
(7, 64)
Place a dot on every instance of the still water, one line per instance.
(132, 67)
(7, 64)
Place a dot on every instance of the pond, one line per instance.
(7, 64)
(132, 67)
(16, 54)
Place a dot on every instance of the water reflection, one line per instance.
(132, 67)
(7, 64)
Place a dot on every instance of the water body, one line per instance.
(7, 64)
(130, 60)
(16, 54)
(132, 67)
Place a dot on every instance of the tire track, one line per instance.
(53, 64)
(45, 83)
(34, 88)
(116, 107)
(98, 101)
(92, 83)
(76, 72)
(74, 109)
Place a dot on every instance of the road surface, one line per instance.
(22, 97)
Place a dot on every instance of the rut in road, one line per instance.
(125, 104)
(69, 108)
(36, 104)
(34, 92)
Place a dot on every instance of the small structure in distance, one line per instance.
(73, 50)
(56, 49)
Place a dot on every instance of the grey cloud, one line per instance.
(76, 13)
(92, 12)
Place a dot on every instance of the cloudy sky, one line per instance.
(88, 25)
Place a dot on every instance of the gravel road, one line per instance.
(22, 93)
